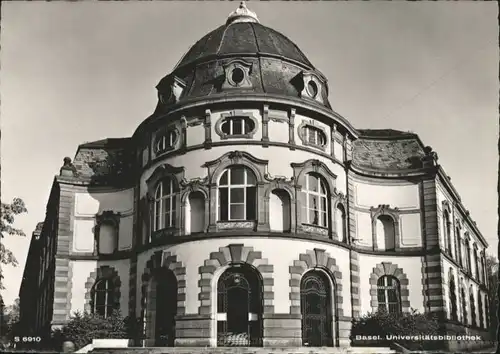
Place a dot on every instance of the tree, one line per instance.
(9, 212)
(492, 276)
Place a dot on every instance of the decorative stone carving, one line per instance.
(68, 169)
(229, 225)
(315, 229)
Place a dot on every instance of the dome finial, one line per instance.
(242, 14)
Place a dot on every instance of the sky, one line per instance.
(73, 72)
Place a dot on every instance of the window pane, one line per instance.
(237, 126)
(223, 204)
(391, 293)
(223, 178)
(225, 126)
(249, 125)
(250, 177)
(237, 211)
(323, 188)
(313, 217)
(381, 295)
(237, 195)
(313, 183)
(166, 205)
(313, 201)
(251, 203)
(237, 174)
(323, 204)
(312, 136)
(324, 222)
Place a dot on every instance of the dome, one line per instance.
(243, 57)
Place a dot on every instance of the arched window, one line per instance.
(459, 246)
(164, 205)
(102, 298)
(388, 294)
(486, 313)
(480, 309)
(314, 201)
(464, 306)
(472, 307)
(453, 298)
(467, 256)
(447, 231)
(237, 194)
(483, 269)
(386, 233)
(341, 223)
(476, 264)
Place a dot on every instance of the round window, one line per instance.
(237, 75)
(312, 87)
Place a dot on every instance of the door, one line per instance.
(316, 310)
(239, 309)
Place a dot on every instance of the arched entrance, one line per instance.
(164, 288)
(239, 307)
(316, 309)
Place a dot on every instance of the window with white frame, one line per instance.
(313, 136)
(388, 294)
(314, 201)
(237, 194)
(164, 205)
(102, 298)
(165, 141)
(237, 126)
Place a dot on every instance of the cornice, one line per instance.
(392, 174)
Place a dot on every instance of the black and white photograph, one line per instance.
(260, 177)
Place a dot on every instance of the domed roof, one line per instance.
(243, 58)
(243, 34)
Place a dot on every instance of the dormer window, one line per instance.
(166, 141)
(237, 75)
(236, 125)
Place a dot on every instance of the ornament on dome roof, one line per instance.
(242, 14)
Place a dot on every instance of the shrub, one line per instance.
(82, 328)
(384, 324)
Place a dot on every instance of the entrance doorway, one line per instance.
(239, 307)
(166, 307)
(316, 308)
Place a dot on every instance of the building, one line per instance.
(245, 211)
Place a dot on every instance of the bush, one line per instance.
(82, 328)
(385, 324)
